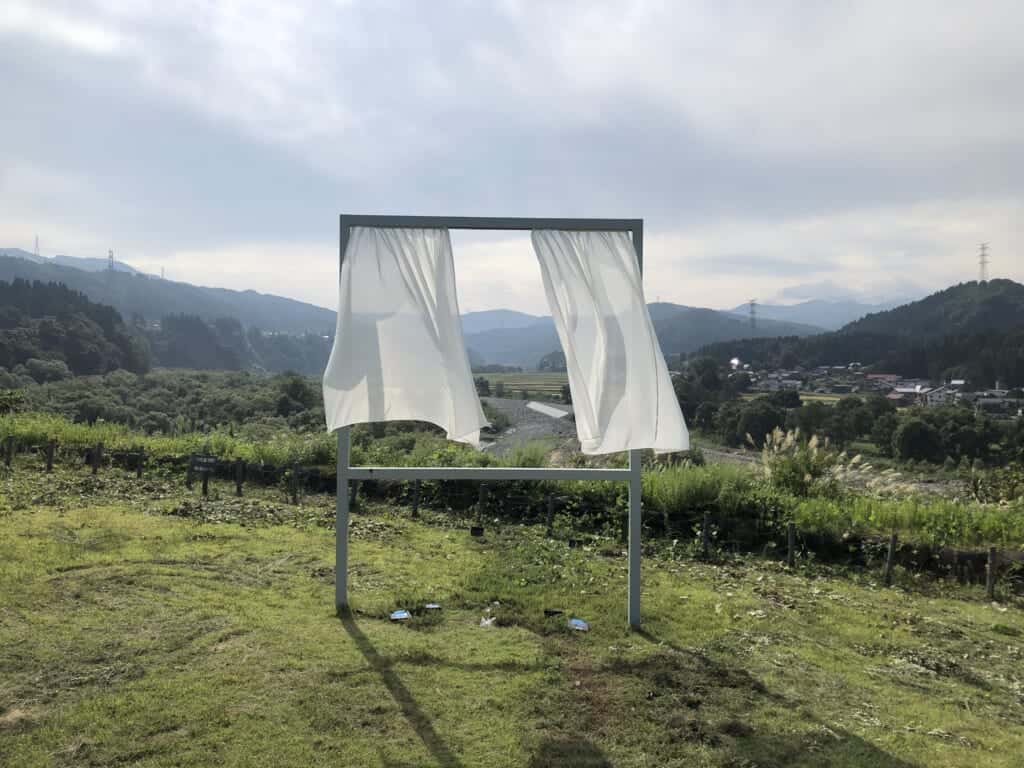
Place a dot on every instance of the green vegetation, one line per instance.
(50, 333)
(143, 626)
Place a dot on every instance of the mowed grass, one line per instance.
(130, 636)
(540, 384)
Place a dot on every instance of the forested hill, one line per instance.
(968, 331)
(51, 332)
(136, 295)
(967, 308)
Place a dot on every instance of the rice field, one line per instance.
(538, 384)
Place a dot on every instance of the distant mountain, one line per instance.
(494, 319)
(995, 305)
(83, 263)
(828, 314)
(134, 294)
(680, 329)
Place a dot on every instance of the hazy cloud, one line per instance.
(854, 144)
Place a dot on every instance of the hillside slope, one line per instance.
(153, 298)
(995, 305)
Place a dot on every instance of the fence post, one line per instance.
(239, 476)
(189, 478)
(551, 516)
(416, 498)
(791, 544)
(890, 560)
(990, 574)
(50, 448)
(353, 495)
(97, 458)
(140, 462)
(295, 483)
(481, 501)
(705, 534)
(206, 482)
(8, 450)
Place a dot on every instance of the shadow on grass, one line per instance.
(825, 745)
(403, 696)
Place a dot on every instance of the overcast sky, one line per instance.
(775, 150)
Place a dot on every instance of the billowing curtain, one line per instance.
(621, 391)
(398, 350)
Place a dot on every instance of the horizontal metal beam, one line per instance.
(491, 222)
(484, 473)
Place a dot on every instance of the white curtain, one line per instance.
(621, 391)
(398, 350)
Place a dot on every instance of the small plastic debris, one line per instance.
(432, 606)
(579, 625)
(487, 621)
(553, 612)
(400, 615)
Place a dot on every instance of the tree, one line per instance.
(483, 386)
(758, 419)
(704, 419)
(917, 440)
(566, 394)
(882, 432)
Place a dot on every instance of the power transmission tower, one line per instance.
(162, 275)
(753, 314)
(983, 262)
(37, 246)
(110, 260)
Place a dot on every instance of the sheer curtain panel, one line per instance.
(621, 391)
(398, 350)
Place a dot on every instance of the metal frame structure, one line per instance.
(347, 473)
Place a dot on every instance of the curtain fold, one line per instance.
(621, 391)
(398, 351)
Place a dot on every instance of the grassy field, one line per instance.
(806, 397)
(548, 385)
(142, 627)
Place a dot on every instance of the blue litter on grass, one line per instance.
(579, 625)
(401, 615)
(432, 607)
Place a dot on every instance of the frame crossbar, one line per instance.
(348, 473)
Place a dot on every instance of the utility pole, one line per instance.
(110, 260)
(753, 314)
(983, 262)
(37, 246)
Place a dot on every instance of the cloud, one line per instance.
(764, 146)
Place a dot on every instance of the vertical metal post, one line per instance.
(341, 524)
(634, 539)
(635, 503)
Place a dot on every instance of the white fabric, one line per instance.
(398, 351)
(621, 391)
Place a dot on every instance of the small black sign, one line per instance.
(204, 463)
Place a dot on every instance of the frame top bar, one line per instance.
(491, 222)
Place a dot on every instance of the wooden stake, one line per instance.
(890, 561)
(990, 574)
(189, 477)
(239, 476)
(51, 447)
(140, 462)
(416, 498)
(8, 450)
(791, 544)
(206, 482)
(97, 458)
(551, 516)
(705, 534)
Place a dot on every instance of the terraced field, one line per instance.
(538, 385)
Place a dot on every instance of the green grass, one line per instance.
(131, 635)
